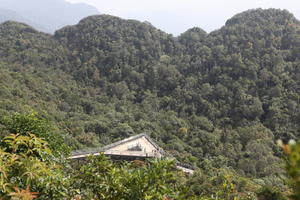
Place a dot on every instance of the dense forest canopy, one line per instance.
(214, 100)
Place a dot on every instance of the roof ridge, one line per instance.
(154, 144)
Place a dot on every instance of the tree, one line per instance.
(26, 124)
(292, 151)
(102, 179)
(28, 169)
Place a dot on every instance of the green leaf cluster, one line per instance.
(27, 163)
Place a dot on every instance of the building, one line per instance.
(138, 147)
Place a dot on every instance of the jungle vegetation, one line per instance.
(33, 167)
(217, 101)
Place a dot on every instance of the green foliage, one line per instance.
(221, 184)
(269, 193)
(101, 179)
(28, 145)
(28, 124)
(220, 98)
(293, 166)
(27, 165)
(28, 170)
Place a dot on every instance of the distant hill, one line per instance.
(45, 15)
(6, 15)
(9, 15)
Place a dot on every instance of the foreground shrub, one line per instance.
(28, 170)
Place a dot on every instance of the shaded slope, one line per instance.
(257, 51)
(24, 45)
(32, 73)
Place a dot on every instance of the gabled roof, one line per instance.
(96, 151)
(105, 148)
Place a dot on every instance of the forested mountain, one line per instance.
(45, 15)
(217, 100)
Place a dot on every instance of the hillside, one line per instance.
(216, 100)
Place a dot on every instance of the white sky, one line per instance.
(176, 16)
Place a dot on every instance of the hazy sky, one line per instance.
(176, 16)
